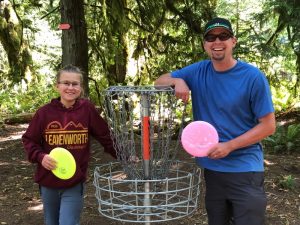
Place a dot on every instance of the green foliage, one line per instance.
(285, 140)
(287, 182)
(283, 98)
(154, 37)
(268, 37)
(159, 36)
(18, 101)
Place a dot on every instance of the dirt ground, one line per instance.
(20, 202)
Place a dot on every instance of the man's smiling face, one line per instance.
(219, 44)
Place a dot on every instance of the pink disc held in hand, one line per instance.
(198, 138)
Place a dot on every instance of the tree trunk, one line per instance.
(117, 70)
(116, 30)
(19, 118)
(74, 40)
(297, 84)
(11, 37)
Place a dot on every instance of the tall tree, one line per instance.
(15, 46)
(74, 39)
(115, 29)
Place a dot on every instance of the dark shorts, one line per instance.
(237, 197)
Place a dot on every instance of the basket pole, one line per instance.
(146, 154)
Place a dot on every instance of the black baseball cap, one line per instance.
(218, 23)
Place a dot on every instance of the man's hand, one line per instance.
(220, 150)
(264, 128)
(182, 91)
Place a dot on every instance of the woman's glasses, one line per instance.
(69, 83)
(221, 36)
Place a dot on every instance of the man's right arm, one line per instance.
(165, 80)
(182, 91)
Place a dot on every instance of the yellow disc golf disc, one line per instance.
(66, 165)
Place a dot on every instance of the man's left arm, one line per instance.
(265, 128)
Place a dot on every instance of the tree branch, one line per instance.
(52, 11)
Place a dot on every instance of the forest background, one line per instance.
(132, 42)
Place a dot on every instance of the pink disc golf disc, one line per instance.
(198, 138)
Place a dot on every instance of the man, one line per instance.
(235, 98)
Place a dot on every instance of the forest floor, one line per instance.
(20, 201)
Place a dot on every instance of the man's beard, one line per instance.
(218, 57)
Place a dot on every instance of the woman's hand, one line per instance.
(48, 162)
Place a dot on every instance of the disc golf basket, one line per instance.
(147, 184)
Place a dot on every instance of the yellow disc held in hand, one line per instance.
(66, 165)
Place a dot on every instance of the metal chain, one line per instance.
(123, 110)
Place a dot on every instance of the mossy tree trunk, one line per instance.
(16, 48)
(116, 28)
(116, 70)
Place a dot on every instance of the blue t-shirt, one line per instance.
(232, 101)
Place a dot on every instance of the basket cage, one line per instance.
(128, 201)
(140, 187)
(125, 109)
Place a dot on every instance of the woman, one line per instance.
(67, 121)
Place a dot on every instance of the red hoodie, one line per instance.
(52, 126)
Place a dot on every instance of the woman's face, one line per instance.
(69, 88)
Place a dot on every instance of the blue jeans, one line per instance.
(62, 206)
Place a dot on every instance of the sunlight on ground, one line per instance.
(15, 161)
(38, 207)
(120, 176)
(15, 136)
(268, 163)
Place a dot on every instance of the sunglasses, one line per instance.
(213, 37)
